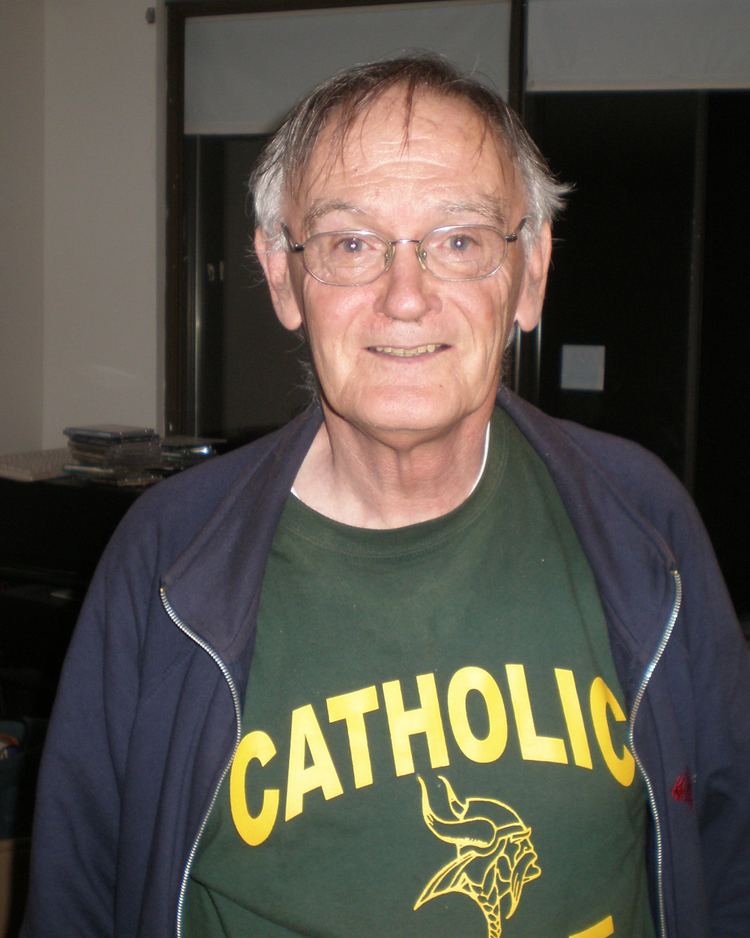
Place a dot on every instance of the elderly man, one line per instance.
(424, 662)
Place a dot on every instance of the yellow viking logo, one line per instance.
(494, 860)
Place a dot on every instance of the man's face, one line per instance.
(409, 353)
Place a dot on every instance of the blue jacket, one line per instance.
(148, 709)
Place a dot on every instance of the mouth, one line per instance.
(400, 351)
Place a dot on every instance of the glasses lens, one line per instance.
(345, 258)
(465, 252)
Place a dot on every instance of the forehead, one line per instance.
(440, 153)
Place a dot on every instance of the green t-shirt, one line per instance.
(433, 734)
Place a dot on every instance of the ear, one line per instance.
(531, 296)
(275, 264)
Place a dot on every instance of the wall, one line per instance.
(21, 198)
(102, 231)
(81, 239)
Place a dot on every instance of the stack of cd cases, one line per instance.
(114, 453)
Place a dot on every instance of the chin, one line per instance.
(399, 411)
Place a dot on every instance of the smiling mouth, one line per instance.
(399, 351)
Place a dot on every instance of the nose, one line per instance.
(407, 287)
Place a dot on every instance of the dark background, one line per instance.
(650, 261)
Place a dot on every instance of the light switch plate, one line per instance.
(582, 368)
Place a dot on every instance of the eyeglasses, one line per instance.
(451, 252)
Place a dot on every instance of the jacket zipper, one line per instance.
(666, 635)
(238, 735)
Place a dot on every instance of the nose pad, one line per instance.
(406, 295)
(389, 255)
(418, 250)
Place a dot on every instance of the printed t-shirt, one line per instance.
(434, 736)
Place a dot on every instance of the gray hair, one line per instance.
(350, 93)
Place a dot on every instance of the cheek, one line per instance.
(490, 321)
(330, 322)
(332, 315)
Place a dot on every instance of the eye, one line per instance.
(460, 243)
(456, 243)
(351, 245)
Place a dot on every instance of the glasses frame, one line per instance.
(296, 247)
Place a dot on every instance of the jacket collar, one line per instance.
(214, 586)
(610, 488)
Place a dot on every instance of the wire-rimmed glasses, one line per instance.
(352, 258)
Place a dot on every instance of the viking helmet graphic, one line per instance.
(494, 859)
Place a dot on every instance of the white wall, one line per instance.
(81, 231)
(21, 223)
(102, 217)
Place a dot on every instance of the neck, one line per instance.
(391, 480)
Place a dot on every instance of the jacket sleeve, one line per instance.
(707, 674)
(76, 822)
(720, 676)
(701, 698)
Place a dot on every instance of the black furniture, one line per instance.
(51, 537)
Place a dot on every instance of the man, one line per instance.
(425, 661)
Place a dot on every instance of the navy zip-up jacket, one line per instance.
(148, 710)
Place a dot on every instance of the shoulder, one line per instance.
(580, 458)
(639, 474)
(170, 515)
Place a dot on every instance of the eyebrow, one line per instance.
(319, 209)
(491, 208)
(494, 209)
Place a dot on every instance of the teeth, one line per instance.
(400, 352)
